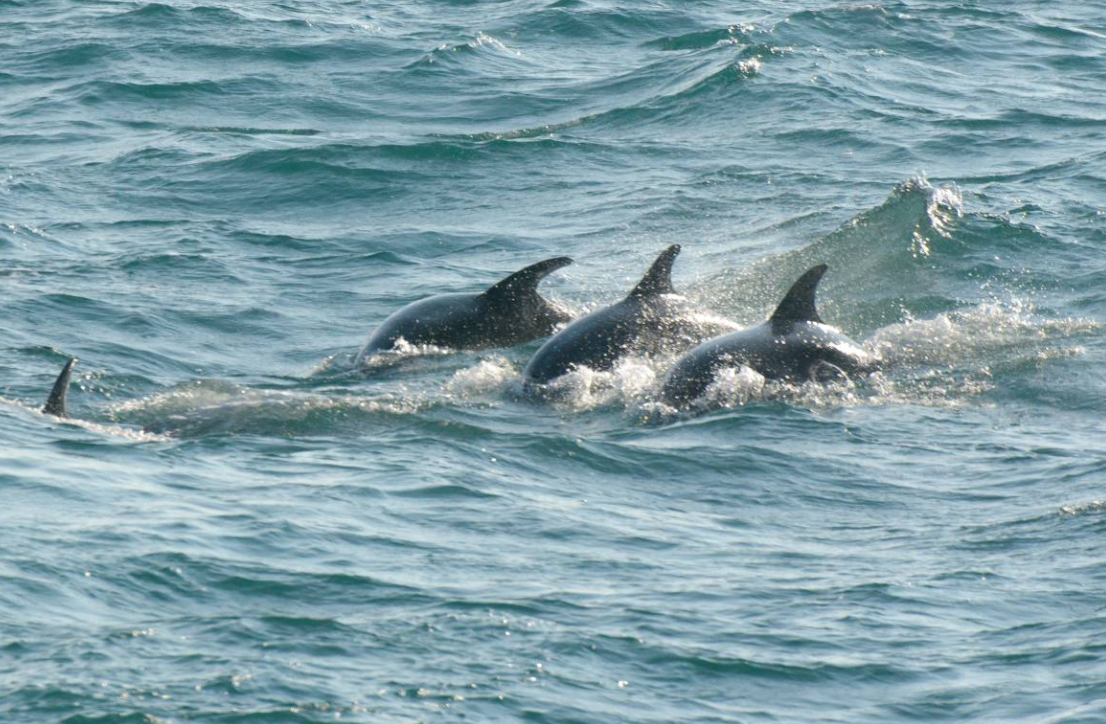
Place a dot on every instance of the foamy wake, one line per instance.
(209, 395)
(945, 361)
(401, 352)
(122, 432)
(214, 406)
(632, 383)
(987, 333)
(487, 377)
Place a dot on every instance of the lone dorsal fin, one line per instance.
(658, 280)
(525, 281)
(55, 405)
(798, 305)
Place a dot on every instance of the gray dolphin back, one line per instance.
(600, 338)
(55, 404)
(509, 312)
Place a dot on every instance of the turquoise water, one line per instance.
(212, 204)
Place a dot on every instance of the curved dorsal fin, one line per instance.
(55, 405)
(658, 280)
(798, 305)
(525, 281)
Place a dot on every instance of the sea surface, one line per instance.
(213, 203)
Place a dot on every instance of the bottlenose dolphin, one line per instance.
(794, 344)
(55, 404)
(653, 318)
(508, 313)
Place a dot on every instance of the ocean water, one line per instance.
(213, 203)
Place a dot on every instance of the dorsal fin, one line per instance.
(55, 405)
(658, 280)
(525, 282)
(798, 305)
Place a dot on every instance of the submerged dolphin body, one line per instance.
(653, 318)
(510, 312)
(794, 344)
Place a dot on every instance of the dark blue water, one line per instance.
(212, 204)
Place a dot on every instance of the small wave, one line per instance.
(77, 56)
(347, 49)
(875, 11)
(446, 53)
(198, 266)
(254, 131)
(693, 83)
(889, 259)
(437, 492)
(327, 174)
(849, 22)
(130, 718)
(916, 205)
(101, 92)
(693, 86)
(341, 163)
(703, 38)
(578, 21)
(160, 15)
(265, 582)
(1006, 119)
(1095, 506)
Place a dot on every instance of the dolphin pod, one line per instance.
(793, 344)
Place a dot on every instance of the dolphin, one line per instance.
(794, 344)
(508, 313)
(55, 404)
(652, 318)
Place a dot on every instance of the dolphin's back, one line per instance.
(597, 340)
(444, 320)
(509, 312)
(691, 376)
(796, 355)
(594, 341)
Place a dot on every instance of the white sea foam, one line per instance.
(979, 333)
(734, 387)
(486, 377)
(632, 382)
(1094, 506)
(483, 39)
(945, 361)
